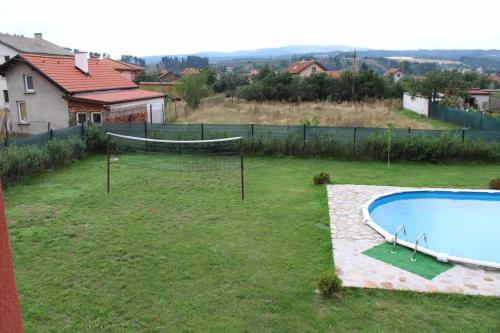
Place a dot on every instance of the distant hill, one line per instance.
(433, 54)
(275, 52)
(488, 60)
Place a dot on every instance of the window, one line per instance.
(96, 117)
(6, 96)
(81, 118)
(23, 112)
(313, 69)
(28, 84)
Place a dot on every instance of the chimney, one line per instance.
(38, 35)
(82, 62)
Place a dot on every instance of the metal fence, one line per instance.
(348, 136)
(465, 119)
(351, 136)
(42, 138)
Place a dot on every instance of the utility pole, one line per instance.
(353, 72)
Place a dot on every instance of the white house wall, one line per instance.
(416, 104)
(45, 105)
(482, 101)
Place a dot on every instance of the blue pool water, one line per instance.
(464, 224)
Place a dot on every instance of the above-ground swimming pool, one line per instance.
(460, 226)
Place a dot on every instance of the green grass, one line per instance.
(174, 252)
(435, 124)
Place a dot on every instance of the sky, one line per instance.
(152, 27)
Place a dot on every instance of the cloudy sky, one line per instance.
(152, 27)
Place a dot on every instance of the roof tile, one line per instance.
(62, 70)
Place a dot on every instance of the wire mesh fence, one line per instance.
(42, 138)
(465, 119)
(349, 137)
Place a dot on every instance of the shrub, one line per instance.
(322, 178)
(95, 139)
(329, 284)
(21, 163)
(495, 184)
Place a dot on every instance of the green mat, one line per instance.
(425, 266)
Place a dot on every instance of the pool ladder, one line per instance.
(419, 237)
(395, 239)
(414, 258)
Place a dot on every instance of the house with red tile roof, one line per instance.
(128, 71)
(189, 71)
(58, 91)
(395, 73)
(12, 45)
(306, 68)
(168, 76)
(335, 74)
(495, 78)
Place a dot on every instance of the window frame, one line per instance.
(26, 89)
(92, 117)
(21, 121)
(77, 120)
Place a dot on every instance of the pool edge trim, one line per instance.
(443, 257)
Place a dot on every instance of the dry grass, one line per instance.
(368, 114)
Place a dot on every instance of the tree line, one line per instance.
(176, 64)
(362, 85)
(133, 60)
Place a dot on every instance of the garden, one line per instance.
(171, 251)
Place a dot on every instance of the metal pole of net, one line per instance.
(176, 155)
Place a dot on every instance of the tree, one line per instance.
(193, 88)
(229, 84)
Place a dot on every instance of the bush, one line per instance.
(495, 184)
(329, 284)
(322, 178)
(21, 163)
(95, 139)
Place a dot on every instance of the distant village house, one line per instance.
(168, 76)
(395, 73)
(306, 68)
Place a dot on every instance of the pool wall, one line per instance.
(443, 257)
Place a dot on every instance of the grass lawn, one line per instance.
(174, 252)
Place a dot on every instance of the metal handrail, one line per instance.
(395, 239)
(416, 245)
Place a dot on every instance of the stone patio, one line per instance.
(351, 236)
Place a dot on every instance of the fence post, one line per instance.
(151, 113)
(6, 142)
(202, 136)
(145, 129)
(354, 138)
(304, 136)
(51, 134)
(409, 131)
(463, 135)
(252, 130)
(83, 130)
